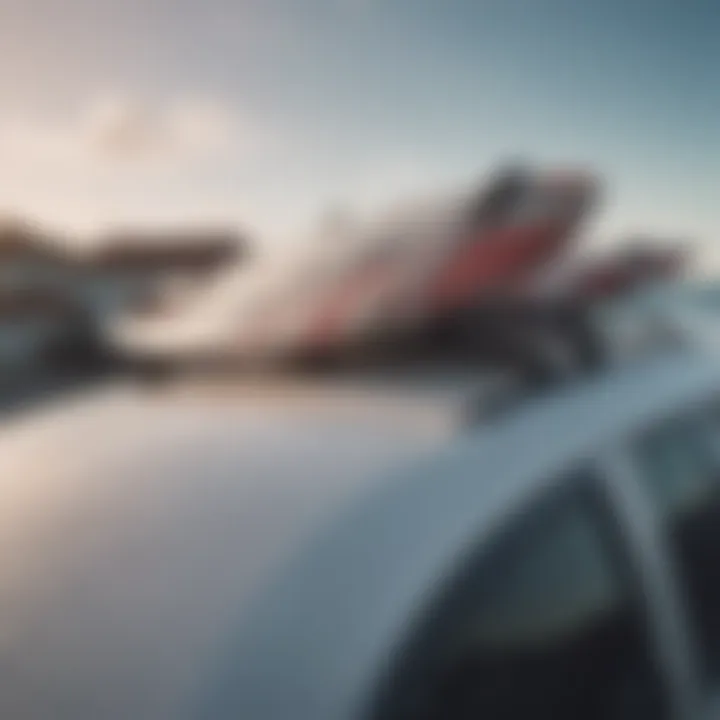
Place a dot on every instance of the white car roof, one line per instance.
(152, 541)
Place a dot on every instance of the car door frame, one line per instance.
(627, 518)
(644, 540)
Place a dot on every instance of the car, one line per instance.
(366, 546)
(666, 313)
(403, 273)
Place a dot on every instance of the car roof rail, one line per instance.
(539, 346)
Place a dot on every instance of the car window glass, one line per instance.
(561, 584)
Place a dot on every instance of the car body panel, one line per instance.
(260, 556)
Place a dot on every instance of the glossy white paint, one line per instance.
(257, 552)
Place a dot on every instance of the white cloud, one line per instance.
(119, 129)
(117, 159)
(116, 132)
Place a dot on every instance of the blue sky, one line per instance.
(266, 111)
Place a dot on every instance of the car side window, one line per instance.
(679, 466)
(544, 622)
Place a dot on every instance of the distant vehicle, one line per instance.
(679, 314)
(620, 272)
(357, 548)
(390, 280)
(43, 331)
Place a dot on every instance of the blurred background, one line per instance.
(148, 147)
(243, 184)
